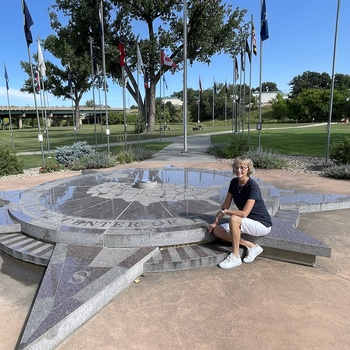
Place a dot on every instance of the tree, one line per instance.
(313, 105)
(279, 107)
(309, 80)
(213, 28)
(269, 86)
(70, 78)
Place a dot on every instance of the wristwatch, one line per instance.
(223, 211)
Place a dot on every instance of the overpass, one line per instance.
(55, 115)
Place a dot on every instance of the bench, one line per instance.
(165, 127)
(199, 127)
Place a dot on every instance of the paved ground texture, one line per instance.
(264, 305)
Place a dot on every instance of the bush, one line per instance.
(140, 154)
(125, 157)
(94, 160)
(9, 163)
(340, 151)
(67, 154)
(338, 172)
(134, 155)
(229, 150)
(50, 168)
(266, 159)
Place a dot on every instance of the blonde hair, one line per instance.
(244, 161)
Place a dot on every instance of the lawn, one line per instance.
(293, 139)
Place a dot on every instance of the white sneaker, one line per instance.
(252, 253)
(230, 261)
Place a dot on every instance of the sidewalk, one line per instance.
(264, 305)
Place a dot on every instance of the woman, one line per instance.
(251, 217)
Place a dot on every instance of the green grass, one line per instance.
(307, 141)
(282, 137)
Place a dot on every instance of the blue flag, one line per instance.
(28, 22)
(6, 78)
(264, 28)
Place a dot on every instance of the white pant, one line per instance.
(251, 227)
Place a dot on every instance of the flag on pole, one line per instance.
(41, 62)
(166, 85)
(28, 22)
(247, 50)
(214, 88)
(264, 29)
(167, 61)
(100, 16)
(242, 60)
(37, 79)
(226, 88)
(255, 51)
(6, 78)
(97, 72)
(122, 54)
(200, 85)
(236, 69)
(139, 60)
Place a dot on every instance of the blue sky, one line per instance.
(301, 39)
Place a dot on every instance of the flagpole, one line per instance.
(233, 92)
(42, 70)
(9, 108)
(28, 22)
(234, 111)
(213, 111)
(104, 74)
(243, 103)
(139, 67)
(160, 107)
(250, 78)
(124, 111)
(93, 88)
(185, 76)
(225, 102)
(264, 35)
(73, 109)
(332, 84)
(199, 99)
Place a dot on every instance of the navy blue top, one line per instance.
(250, 190)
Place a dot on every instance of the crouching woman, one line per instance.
(251, 218)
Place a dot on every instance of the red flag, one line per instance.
(37, 79)
(122, 54)
(164, 59)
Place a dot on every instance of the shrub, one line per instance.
(67, 154)
(94, 160)
(50, 168)
(229, 150)
(134, 155)
(140, 154)
(9, 163)
(125, 157)
(340, 151)
(338, 172)
(266, 159)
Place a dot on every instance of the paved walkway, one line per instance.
(266, 305)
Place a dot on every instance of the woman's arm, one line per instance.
(241, 213)
(220, 214)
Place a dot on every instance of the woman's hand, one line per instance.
(211, 227)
